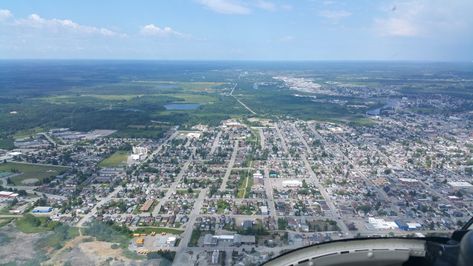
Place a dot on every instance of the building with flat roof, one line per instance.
(147, 205)
(292, 183)
(42, 209)
(8, 194)
(233, 240)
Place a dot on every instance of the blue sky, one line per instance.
(434, 30)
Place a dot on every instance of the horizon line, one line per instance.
(240, 60)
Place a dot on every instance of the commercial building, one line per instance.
(407, 226)
(147, 205)
(382, 224)
(292, 183)
(8, 194)
(42, 209)
(232, 240)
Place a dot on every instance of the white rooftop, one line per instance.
(460, 184)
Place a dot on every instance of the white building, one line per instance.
(292, 183)
(382, 224)
(257, 175)
(139, 153)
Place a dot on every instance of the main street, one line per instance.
(230, 166)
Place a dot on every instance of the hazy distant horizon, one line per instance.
(240, 60)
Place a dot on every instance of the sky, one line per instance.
(430, 30)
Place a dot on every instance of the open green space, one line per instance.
(6, 143)
(244, 184)
(30, 224)
(30, 174)
(109, 232)
(59, 236)
(222, 205)
(5, 221)
(117, 159)
(27, 132)
(196, 234)
(157, 230)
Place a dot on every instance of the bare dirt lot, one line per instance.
(16, 246)
(77, 253)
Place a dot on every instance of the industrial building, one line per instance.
(407, 226)
(8, 194)
(232, 240)
(147, 205)
(42, 209)
(292, 183)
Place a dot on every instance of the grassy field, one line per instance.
(27, 132)
(244, 186)
(158, 230)
(6, 143)
(29, 224)
(5, 221)
(60, 235)
(30, 172)
(117, 159)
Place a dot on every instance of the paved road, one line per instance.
(51, 140)
(10, 215)
(88, 216)
(215, 143)
(172, 188)
(230, 166)
(240, 102)
(356, 169)
(186, 236)
(261, 137)
(268, 187)
(336, 215)
(244, 105)
(333, 209)
(158, 149)
(283, 141)
(384, 195)
(301, 137)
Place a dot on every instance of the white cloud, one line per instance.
(334, 15)
(5, 14)
(153, 30)
(266, 5)
(54, 25)
(411, 18)
(242, 7)
(226, 6)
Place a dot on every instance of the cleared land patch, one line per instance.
(28, 172)
(119, 158)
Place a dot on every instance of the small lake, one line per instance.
(181, 106)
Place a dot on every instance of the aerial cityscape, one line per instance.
(387, 154)
(236, 133)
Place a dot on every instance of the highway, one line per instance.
(240, 102)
